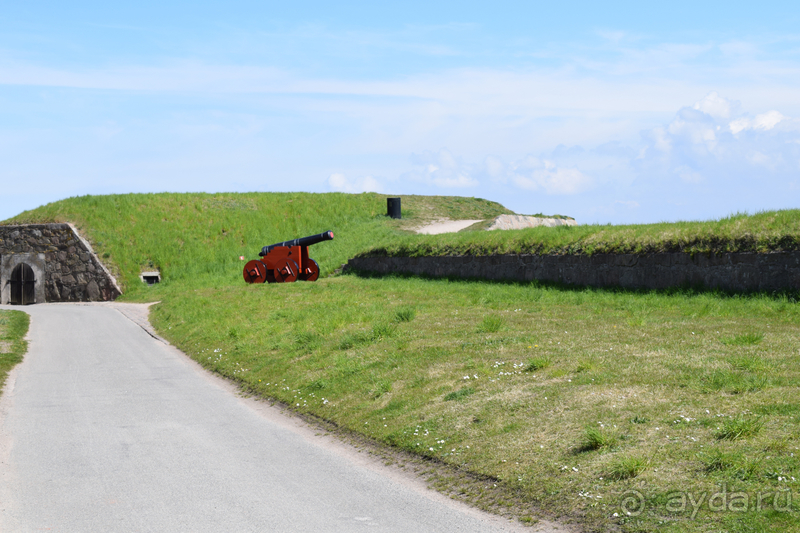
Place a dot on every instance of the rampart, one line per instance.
(733, 271)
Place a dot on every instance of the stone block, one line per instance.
(93, 291)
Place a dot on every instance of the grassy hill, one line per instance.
(197, 239)
(603, 407)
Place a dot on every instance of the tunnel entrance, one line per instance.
(23, 285)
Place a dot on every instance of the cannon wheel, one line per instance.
(311, 272)
(255, 272)
(285, 271)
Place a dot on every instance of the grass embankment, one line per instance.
(197, 239)
(13, 327)
(763, 232)
(568, 398)
(565, 399)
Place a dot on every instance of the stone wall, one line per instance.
(65, 266)
(739, 272)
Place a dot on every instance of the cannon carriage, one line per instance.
(285, 262)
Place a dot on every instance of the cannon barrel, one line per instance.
(302, 241)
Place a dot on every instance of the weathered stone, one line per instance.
(69, 268)
(93, 291)
(728, 271)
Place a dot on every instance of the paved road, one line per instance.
(104, 428)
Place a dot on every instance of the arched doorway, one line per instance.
(23, 285)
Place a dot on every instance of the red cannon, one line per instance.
(286, 261)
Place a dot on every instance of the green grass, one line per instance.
(491, 324)
(681, 390)
(537, 363)
(734, 465)
(459, 394)
(197, 239)
(762, 232)
(596, 438)
(405, 314)
(747, 339)
(515, 403)
(13, 327)
(626, 467)
(739, 428)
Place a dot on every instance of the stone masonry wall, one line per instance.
(739, 272)
(72, 270)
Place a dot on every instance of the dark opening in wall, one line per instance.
(151, 278)
(23, 285)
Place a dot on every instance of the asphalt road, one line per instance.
(104, 428)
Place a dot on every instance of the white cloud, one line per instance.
(726, 151)
(340, 183)
(366, 122)
(714, 105)
(757, 158)
(555, 181)
(442, 170)
(692, 166)
(740, 124)
(495, 168)
(459, 181)
(765, 121)
(552, 179)
(768, 120)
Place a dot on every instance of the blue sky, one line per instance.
(622, 112)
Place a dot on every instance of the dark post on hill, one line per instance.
(393, 207)
(285, 262)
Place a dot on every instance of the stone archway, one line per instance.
(22, 285)
(22, 274)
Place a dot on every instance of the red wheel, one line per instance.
(255, 272)
(311, 272)
(285, 271)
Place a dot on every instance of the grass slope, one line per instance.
(562, 399)
(197, 239)
(13, 327)
(579, 403)
(762, 232)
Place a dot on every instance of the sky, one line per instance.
(609, 112)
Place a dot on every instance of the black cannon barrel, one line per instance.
(302, 241)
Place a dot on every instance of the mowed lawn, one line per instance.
(609, 408)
